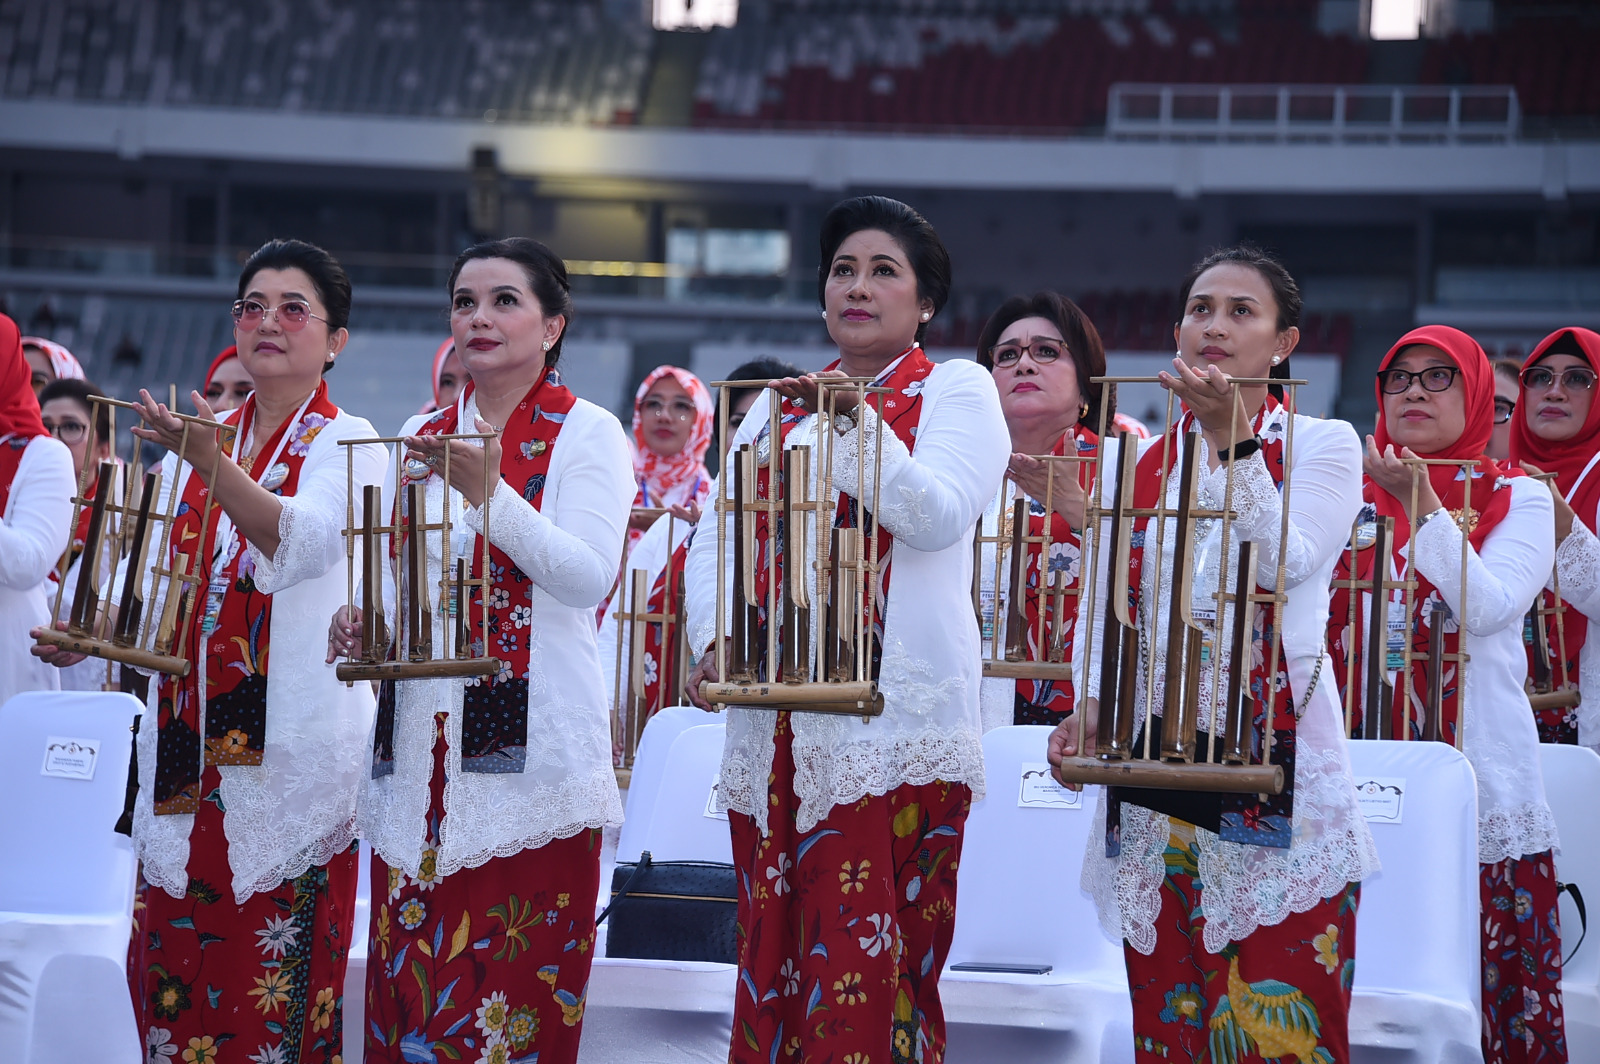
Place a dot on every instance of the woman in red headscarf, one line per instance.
(672, 421)
(1436, 399)
(49, 361)
(1557, 431)
(228, 384)
(36, 501)
(448, 378)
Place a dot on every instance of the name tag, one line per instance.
(1382, 798)
(71, 759)
(1040, 790)
(1395, 648)
(216, 590)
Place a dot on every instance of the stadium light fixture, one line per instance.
(693, 14)
(1396, 20)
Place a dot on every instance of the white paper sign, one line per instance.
(711, 806)
(1382, 798)
(1040, 790)
(72, 759)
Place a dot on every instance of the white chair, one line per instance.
(1572, 786)
(355, 973)
(1020, 905)
(649, 765)
(66, 884)
(1418, 953)
(60, 1035)
(627, 997)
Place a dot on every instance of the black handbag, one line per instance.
(673, 911)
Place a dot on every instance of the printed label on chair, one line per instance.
(72, 759)
(711, 806)
(1382, 798)
(1041, 791)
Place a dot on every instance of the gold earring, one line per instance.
(1083, 411)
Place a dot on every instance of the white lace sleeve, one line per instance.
(38, 519)
(931, 499)
(1578, 566)
(577, 566)
(1324, 498)
(1505, 576)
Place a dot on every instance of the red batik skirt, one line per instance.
(843, 930)
(1522, 1015)
(1188, 1003)
(215, 982)
(487, 964)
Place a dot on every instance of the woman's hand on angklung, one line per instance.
(803, 391)
(344, 633)
(467, 463)
(1067, 497)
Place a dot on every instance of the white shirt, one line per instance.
(1499, 735)
(1245, 886)
(569, 549)
(1578, 567)
(297, 808)
(34, 533)
(930, 502)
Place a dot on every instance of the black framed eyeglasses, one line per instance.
(1542, 378)
(1432, 379)
(1503, 409)
(67, 431)
(1043, 352)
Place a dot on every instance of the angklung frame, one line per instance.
(1235, 759)
(118, 626)
(413, 656)
(817, 654)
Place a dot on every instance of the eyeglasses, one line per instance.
(1503, 409)
(678, 409)
(1541, 378)
(1432, 379)
(67, 431)
(292, 314)
(1044, 352)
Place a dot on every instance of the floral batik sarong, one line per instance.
(488, 964)
(843, 931)
(1520, 909)
(263, 982)
(1280, 994)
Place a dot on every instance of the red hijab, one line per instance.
(19, 407)
(1477, 377)
(1565, 458)
(231, 351)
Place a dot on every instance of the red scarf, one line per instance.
(494, 723)
(1055, 697)
(19, 407)
(229, 613)
(1243, 818)
(1491, 500)
(661, 655)
(901, 410)
(1569, 460)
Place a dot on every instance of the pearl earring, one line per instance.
(824, 315)
(1276, 360)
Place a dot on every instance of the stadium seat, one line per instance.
(66, 885)
(650, 764)
(1417, 939)
(1572, 786)
(685, 1005)
(355, 973)
(1012, 853)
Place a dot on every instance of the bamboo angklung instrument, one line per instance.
(121, 628)
(1232, 758)
(406, 651)
(1551, 685)
(632, 704)
(823, 590)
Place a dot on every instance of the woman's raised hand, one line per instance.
(803, 391)
(165, 429)
(1067, 496)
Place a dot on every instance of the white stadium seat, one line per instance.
(1572, 786)
(66, 885)
(355, 973)
(1418, 953)
(1020, 905)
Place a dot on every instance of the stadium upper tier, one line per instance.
(1018, 65)
(559, 61)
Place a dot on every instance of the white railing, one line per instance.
(1381, 113)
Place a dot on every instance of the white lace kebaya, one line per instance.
(1578, 566)
(569, 550)
(1246, 887)
(930, 502)
(1499, 735)
(298, 807)
(36, 529)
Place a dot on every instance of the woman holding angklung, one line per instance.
(847, 833)
(1436, 395)
(1042, 352)
(1225, 901)
(245, 818)
(486, 798)
(1557, 431)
